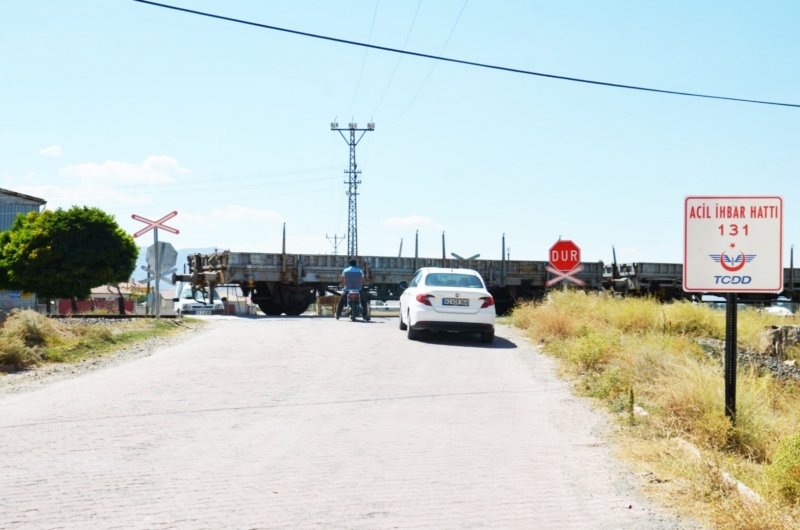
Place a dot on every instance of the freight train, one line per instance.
(288, 283)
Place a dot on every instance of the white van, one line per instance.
(197, 304)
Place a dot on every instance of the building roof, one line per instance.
(22, 196)
(127, 289)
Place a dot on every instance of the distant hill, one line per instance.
(183, 254)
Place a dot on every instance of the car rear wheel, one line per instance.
(411, 333)
(487, 337)
(403, 326)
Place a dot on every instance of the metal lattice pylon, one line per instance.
(352, 183)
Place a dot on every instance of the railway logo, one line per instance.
(732, 264)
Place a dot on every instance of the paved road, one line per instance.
(312, 423)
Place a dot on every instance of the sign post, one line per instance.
(154, 226)
(565, 263)
(732, 245)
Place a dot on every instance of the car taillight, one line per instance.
(423, 298)
(488, 301)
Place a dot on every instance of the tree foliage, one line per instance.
(65, 253)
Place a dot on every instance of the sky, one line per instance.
(141, 110)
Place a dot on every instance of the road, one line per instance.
(314, 423)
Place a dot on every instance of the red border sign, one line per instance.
(155, 224)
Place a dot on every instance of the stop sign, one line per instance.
(565, 256)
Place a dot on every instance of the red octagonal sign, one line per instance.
(565, 256)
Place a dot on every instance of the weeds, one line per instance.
(28, 338)
(611, 346)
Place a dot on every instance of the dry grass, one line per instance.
(612, 347)
(28, 338)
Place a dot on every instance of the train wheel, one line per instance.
(295, 310)
(270, 308)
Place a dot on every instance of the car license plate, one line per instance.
(204, 312)
(455, 301)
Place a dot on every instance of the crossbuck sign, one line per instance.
(154, 225)
(156, 270)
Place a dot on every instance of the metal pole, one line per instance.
(352, 183)
(416, 251)
(283, 250)
(503, 263)
(352, 217)
(444, 256)
(731, 311)
(400, 254)
(157, 275)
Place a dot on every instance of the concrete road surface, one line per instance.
(314, 423)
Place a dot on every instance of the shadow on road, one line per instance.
(465, 340)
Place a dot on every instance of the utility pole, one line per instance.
(352, 182)
(337, 240)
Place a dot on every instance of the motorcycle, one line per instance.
(353, 305)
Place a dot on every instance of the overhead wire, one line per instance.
(217, 201)
(374, 14)
(470, 63)
(434, 64)
(405, 43)
(228, 179)
(103, 193)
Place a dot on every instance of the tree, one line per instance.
(65, 253)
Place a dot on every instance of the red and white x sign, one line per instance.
(569, 276)
(155, 224)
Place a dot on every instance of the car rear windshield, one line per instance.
(446, 279)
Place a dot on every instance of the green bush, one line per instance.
(784, 471)
(591, 351)
(609, 384)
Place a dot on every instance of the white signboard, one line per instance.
(733, 244)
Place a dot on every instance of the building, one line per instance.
(11, 205)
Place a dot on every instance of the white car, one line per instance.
(194, 303)
(447, 300)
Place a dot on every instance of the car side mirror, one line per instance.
(403, 285)
(224, 300)
(176, 299)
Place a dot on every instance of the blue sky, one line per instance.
(138, 109)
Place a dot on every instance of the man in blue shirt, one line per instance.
(353, 278)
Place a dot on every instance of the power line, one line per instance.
(227, 179)
(398, 59)
(469, 63)
(434, 64)
(365, 58)
(218, 201)
(102, 193)
(336, 242)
